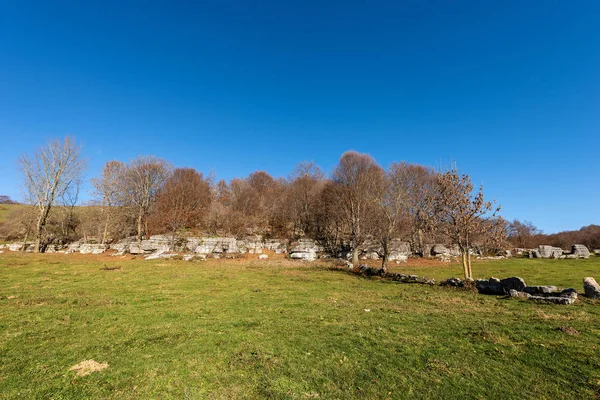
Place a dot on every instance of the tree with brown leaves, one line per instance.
(459, 214)
(182, 202)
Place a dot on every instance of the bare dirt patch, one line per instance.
(87, 367)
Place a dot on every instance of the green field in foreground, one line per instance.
(229, 329)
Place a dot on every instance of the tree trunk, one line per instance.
(38, 235)
(384, 259)
(420, 242)
(140, 226)
(355, 256)
(464, 264)
(469, 265)
(25, 240)
(105, 233)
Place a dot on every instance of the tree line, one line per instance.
(359, 203)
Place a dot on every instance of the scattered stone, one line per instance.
(188, 257)
(540, 290)
(566, 297)
(591, 288)
(263, 257)
(87, 367)
(580, 251)
(515, 293)
(439, 249)
(454, 282)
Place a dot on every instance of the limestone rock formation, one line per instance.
(549, 251)
(580, 251)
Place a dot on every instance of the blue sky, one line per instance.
(509, 90)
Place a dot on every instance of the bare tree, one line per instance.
(458, 213)
(140, 182)
(306, 183)
(355, 178)
(392, 198)
(106, 193)
(521, 233)
(418, 183)
(48, 174)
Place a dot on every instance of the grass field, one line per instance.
(225, 329)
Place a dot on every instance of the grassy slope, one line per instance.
(227, 329)
(5, 210)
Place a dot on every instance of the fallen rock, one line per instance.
(263, 257)
(591, 288)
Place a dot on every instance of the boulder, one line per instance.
(514, 282)
(304, 255)
(549, 251)
(495, 286)
(439, 249)
(489, 286)
(15, 246)
(591, 288)
(373, 255)
(580, 251)
(305, 249)
(534, 254)
(263, 257)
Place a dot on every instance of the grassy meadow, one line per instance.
(229, 329)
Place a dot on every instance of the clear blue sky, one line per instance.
(508, 89)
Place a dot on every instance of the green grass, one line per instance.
(227, 329)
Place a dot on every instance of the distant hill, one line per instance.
(5, 210)
(588, 236)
